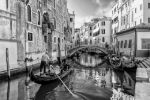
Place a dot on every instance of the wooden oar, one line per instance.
(74, 95)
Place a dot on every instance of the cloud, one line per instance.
(87, 9)
(104, 8)
(103, 3)
(80, 20)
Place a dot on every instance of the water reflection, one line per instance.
(8, 90)
(99, 83)
(88, 60)
(85, 83)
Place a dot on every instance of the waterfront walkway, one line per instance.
(142, 87)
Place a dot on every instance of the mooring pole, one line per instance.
(7, 62)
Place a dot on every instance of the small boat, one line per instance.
(128, 63)
(115, 61)
(48, 78)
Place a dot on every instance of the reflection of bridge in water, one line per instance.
(88, 48)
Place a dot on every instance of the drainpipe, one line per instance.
(135, 48)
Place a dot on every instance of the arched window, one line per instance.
(39, 18)
(29, 13)
(103, 39)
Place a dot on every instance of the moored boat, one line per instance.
(48, 78)
(115, 61)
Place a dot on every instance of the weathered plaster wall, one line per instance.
(12, 46)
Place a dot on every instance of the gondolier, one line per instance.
(44, 62)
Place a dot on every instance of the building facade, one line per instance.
(115, 21)
(102, 32)
(31, 27)
(135, 41)
(127, 14)
(72, 27)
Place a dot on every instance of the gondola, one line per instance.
(48, 78)
(115, 61)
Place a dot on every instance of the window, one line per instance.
(6, 4)
(145, 43)
(135, 10)
(29, 13)
(54, 39)
(71, 19)
(118, 44)
(45, 2)
(132, 16)
(103, 31)
(90, 28)
(45, 39)
(30, 37)
(148, 20)
(121, 44)
(39, 18)
(135, 23)
(130, 44)
(140, 6)
(54, 3)
(90, 33)
(140, 21)
(103, 23)
(103, 39)
(148, 5)
(125, 44)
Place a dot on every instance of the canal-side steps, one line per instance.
(142, 87)
(143, 70)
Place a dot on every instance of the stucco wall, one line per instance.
(12, 46)
(142, 52)
(146, 11)
(140, 36)
(127, 37)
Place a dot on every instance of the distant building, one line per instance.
(102, 32)
(115, 21)
(129, 13)
(77, 37)
(72, 26)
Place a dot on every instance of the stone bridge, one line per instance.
(88, 48)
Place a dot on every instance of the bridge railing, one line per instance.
(83, 46)
(99, 45)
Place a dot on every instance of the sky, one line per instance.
(85, 10)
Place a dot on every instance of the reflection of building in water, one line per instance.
(89, 60)
(128, 85)
(118, 95)
(128, 81)
(103, 78)
(100, 77)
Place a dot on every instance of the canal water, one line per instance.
(88, 83)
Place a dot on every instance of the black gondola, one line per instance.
(46, 79)
(115, 61)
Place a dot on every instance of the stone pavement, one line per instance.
(142, 87)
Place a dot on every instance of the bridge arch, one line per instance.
(92, 48)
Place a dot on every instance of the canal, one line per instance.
(92, 79)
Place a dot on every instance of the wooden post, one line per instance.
(7, 62)
(8, 90)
